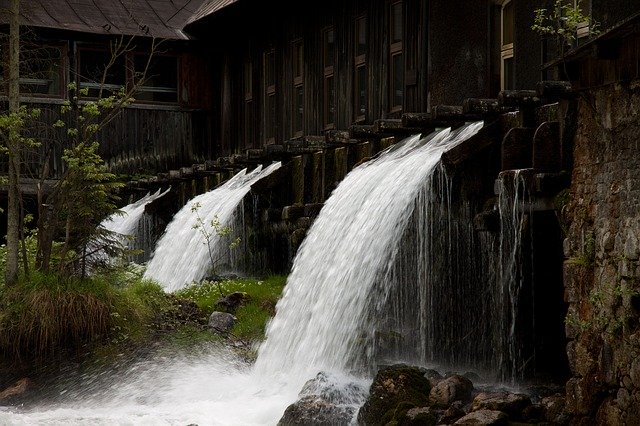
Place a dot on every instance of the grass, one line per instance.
(253, 316)
(49, 316)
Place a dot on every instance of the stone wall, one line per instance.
(601, 269)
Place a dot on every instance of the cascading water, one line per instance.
(329, 315)
(513, 199)
(182, 254)
(357, 267)
(126, 223)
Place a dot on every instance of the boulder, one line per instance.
(511, 403)
(484, 418)
(231, 302)
(324, 401)
(453, 413)
(395, 390)
(554, 409)
(453, 388)
(420, 416)
(317, 411)
(16, 389)
(221, 322)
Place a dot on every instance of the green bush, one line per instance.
(48, 315)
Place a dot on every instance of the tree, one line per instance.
(13, 147)
(87, 192)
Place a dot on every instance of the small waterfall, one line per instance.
(129, 220)
(369, 239)
(182, 254)
(514, 205)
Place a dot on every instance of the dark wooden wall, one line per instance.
(140, 140)
(246, 30)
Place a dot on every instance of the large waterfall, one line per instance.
(333, 307)
(184, 253)
(361, 291)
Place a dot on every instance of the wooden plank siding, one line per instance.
(270, 30)
(445, 49)
(141, 139)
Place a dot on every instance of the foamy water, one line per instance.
(322, 322)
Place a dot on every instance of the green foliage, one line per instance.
(13, 123)
(49, 316)
(562, 22)
(252, 317)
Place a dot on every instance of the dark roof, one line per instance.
(151, 18)
(208, 8)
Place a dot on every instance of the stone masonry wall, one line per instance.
(602, 250)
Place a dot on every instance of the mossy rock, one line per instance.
(394, 391)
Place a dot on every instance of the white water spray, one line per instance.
(182, 254)
(338, 280)
(322, 323)
(127, 222)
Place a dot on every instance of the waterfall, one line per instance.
(182, 254)
(372, 282)
(334, 304)
(513, 199)
(127, 221)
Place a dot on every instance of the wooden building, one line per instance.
(63, 41)
(234, 75)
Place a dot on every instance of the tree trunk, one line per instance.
(13, 210)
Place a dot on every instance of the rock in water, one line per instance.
(484, 418)
(18, 388)
(394, 391)
(454, 388)
(324, 402)
(222, 322)
(511, 403)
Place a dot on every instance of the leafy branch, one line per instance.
(211, 232)
(563, 22)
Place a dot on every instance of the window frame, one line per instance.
(131, 79)
(297, 47)
(270, 93)
(129, 75)
(329, 82)
(396, 48)
(359, 63)
(248, 105)
(507, 51)
(62, 74)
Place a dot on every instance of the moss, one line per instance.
(394, 391)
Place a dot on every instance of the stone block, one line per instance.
(517, 147)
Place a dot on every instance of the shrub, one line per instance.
(49, 315)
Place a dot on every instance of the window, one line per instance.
(329, 105)
(298, 88)
(396, 66)
(41, 71)
(160, 83)
(270, 95)
(99, 72)
(249, 119)
(507, 74)
(360, 66)
(584, 7)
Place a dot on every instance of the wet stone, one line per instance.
(484, 418)
(454, 388)
(222, 322)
